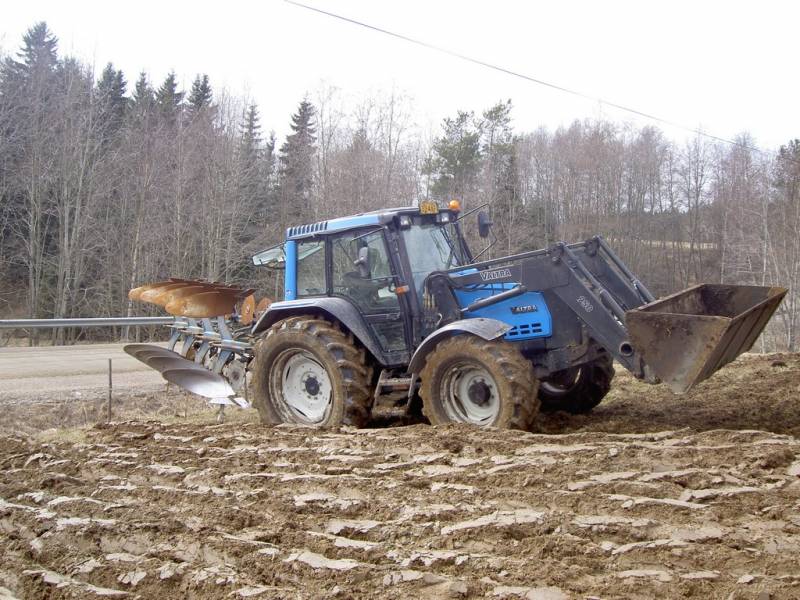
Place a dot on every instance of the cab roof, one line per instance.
(274, 256)
(376, 217)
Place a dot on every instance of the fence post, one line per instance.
(109, 390)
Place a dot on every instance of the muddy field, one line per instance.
(650, 496)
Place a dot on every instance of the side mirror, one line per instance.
(484, 224)
(363, 262)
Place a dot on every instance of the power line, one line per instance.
(528, 78)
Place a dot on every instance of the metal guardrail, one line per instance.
(88, 322)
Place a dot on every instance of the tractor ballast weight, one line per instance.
(378, 304)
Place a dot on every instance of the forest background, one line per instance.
(107, 183)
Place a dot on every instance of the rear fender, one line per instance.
(487, 329)
(334, 309)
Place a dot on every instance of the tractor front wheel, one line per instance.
(306, 370)
(486, 383)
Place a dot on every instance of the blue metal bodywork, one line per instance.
(527, 314)
(290, 285)
(523, 317)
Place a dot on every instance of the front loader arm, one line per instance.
(583, 276)
(681, 339)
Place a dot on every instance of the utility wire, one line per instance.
(528, 78)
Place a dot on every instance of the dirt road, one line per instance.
(61, 371)
(651, 496)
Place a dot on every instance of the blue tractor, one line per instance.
(392, 309)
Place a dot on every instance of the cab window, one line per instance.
(362, 271)
(430, 248)
(311, 268)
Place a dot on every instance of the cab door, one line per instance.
(362, 271)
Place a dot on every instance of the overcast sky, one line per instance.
(723, 66)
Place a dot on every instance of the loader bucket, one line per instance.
(686, 337)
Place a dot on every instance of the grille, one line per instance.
(524, 330)
(310, 228)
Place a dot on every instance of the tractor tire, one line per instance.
(306, 370)
(487, 383)
(577, 390)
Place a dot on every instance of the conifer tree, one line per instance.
(257, 162)
(200, 95)
(142, 92)
(142, 101)
(111, 95)
(39, 52)
(456, 158)
(497, 148)
(26, 83)
(169, 100)
(251, 183)
(296, 177)
(269, 156)
(251, 136)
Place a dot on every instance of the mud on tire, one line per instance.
(578, 390)
(324, 345)
(452, 378)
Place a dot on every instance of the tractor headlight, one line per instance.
(443, 217)
(405, 221)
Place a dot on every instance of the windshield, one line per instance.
(430, 249)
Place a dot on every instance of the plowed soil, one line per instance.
(650, 496)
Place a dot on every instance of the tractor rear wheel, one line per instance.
(306, 370)
(487, 383)
(579, 389)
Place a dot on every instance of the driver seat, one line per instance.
(359, 284)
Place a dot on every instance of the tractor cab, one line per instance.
(375, 262)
